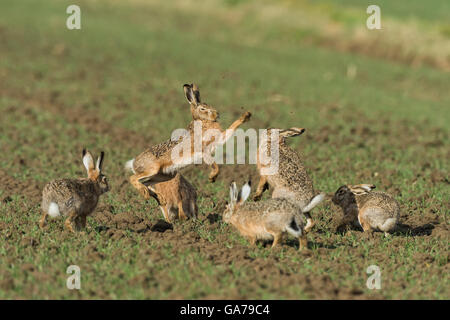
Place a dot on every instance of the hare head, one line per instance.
(94, 172)
(346, 193)
(236, 199)
(199, 110)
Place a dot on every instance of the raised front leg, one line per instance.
(214, 172)
(230, 131)
(263, 185)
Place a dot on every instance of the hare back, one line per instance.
(269, 215)
(70, 195)
(270, 205)
(378, 199)
(292, 175)
(159, 151)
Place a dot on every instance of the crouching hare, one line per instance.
(375, 211)
(264, 220)
(75, 198)
(177, 198)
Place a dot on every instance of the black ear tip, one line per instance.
(102, 154)
(84, 152)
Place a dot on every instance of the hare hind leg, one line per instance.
(181, 213)
(137, 180)
(43, 220)
(70, 220)
(142, 189)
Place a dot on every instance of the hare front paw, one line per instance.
(257, 197)
(246, 116)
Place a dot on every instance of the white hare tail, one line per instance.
(129, 165)
(53, 210)
(314, 202)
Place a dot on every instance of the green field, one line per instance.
(375, 103)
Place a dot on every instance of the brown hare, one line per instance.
(264, 220)
(290, 181)
(75, 198)
(374, 211)
(177, 198)
(157, 163)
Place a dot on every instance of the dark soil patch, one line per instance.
(29, 189)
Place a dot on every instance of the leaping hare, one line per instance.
(177, 198)
(375, 211)
(156, 164)
(291, 181)
(264, 220)
(75, 198)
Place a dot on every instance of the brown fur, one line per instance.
(265, 220)
(179, 195)
(156, 165)
(75, 198)
(374, 211)
(292, 180)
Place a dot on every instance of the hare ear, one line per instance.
(360, 189)
(291, 132)
(189, 93)
(245, 192)
(99, 164)
(367, 187)
(233, 194)
(88, 161)
(196, 93)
